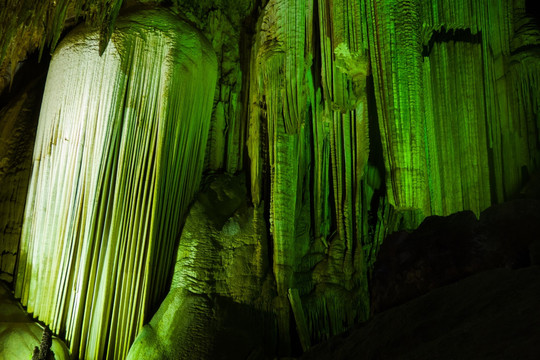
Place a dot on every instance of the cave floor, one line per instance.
(19, 333)
(491, 315)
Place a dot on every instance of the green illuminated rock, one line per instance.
(118, 157)
(450, 104)
(352, 119)
(220, 302)
(312, 132)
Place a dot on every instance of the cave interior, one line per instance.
(262, 179)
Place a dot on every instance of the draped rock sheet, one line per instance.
(280, 69)
(448, 88)
(450, 83)
(480, 109)
(397, 70)
(458, 160)
(308, 146)
(118, 157)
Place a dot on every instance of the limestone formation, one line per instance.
(349, 119)
(119, 155)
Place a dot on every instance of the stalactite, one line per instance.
(118, 157)
(227, 130)
(457, 152)
(397, 70)
(321, 169)
(344, 69)
(431, 108)
(28, 26)
(316, 134)
(281, 69)
(280, 63)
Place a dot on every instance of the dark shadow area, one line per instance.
(27, 71)
(19, 114)
(493, 315)
(457, 287)
(444, 250)
(532, 8)
(447, 35)
(243, 332)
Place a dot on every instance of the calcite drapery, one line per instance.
(396, 56)
(446, 65)
(309, 133)
(27, 26)
(446, 112)
(118, 157)
(454, 124)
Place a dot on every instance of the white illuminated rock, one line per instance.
(118, 157)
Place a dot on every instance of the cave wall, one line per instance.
(351, 119)
(18, 128)
(447, 109)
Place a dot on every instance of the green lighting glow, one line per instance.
(358, 118)
(118, 157)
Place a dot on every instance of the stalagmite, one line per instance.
(118, 157)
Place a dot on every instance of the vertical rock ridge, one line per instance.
(118, 158)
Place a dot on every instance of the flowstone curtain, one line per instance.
(308, 146)
(118, 157)
(450, 79)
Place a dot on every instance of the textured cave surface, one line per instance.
(116, 149)
(490, 315)
(221, 294)
(447, 249)
(19, 333)
(240, 179)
